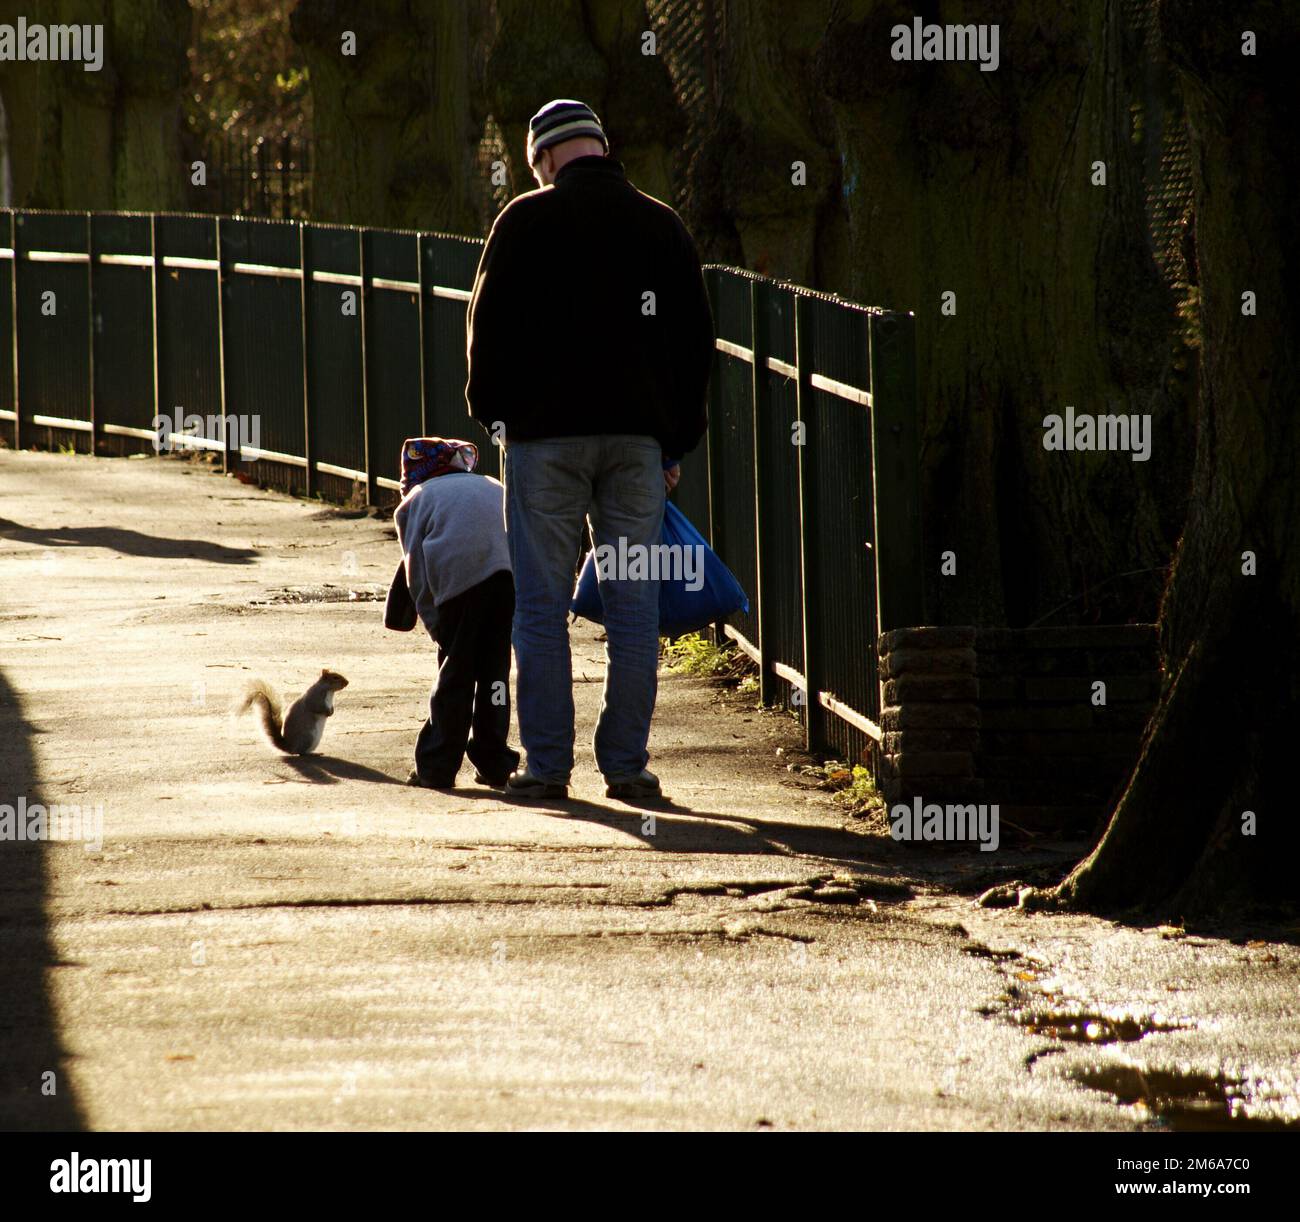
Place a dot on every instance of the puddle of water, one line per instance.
(979, 951)
(1183, 1101)
(322, 594)
(1085, 1027)
(1177, 1100)
(1032, 999)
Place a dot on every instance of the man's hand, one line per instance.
(671, 476)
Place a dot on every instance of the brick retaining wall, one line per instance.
(1008, 716)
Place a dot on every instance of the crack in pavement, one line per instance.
(664, 899)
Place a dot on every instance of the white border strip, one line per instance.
(124, 430)
(833, 704)
(841, 710)
(62, 422)
(6, 414)
(126, 260)
(384, 482)
(267, 269)
(56, 256)
(817, 380)
(842, 389)
(328, 468)
(252, 453)
(191, 441)
(790, 675)
(739, 638)
(736, 350)
(188, 264)
(336, 278)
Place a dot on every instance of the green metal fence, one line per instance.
(332, 344)
(813, 494)
(308, 352)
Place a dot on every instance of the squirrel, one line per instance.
(304, 723)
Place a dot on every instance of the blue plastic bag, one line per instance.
(681, 609)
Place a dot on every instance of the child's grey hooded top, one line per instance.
(452, 531)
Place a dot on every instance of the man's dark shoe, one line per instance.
(525, 785)
(634, 788)
(492, 782)
(416, 779)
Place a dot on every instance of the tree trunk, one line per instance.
(393, 128)
(149, 39)
(1222, 740)
(766, 172)
(592, 50)
(983, 185)
(109, 139)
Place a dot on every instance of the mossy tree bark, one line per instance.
(765, 179)
(981, 184)
(595, 51)
(106, 139)
(398, 125)
(1222, 741)
(393, 123)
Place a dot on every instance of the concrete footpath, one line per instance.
(272, 943)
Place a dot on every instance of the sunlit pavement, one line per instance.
(275, 943)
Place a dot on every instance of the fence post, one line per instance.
(14, 230)
(367, 433)
(759, 306)
(284, 176)
(897, 479)
(717, 482)
(155, 272)
(308, 416)
(814, 715)
(90, 332)
(420, 239)
(221, 343)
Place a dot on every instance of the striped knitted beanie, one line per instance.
(563, 119)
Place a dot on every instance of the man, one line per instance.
(590, 343)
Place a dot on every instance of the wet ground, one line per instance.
(264, 942)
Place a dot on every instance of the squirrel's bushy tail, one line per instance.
(258, 695)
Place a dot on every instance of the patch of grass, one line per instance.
(696, 656)
(859, 792)
(851, 787)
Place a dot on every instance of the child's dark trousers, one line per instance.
(469, 709)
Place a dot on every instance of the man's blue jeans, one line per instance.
(616, 484)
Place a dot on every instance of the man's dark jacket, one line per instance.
(563, 284)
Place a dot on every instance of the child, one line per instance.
(451, 526)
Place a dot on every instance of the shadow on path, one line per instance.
(29, 1039)
(127, 542)
(330, 770)
(683, 829)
